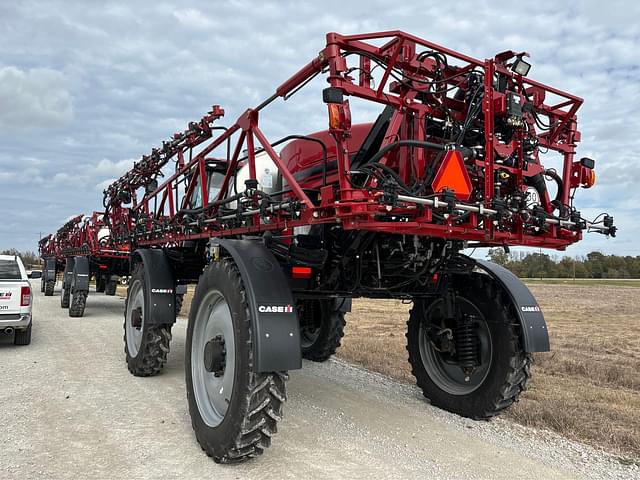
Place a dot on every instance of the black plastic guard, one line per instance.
(159, 286)
(49, 272)
(276, 341)
(68, 271)
(535, 337)
(80, 279)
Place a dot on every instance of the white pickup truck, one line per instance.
(16, 300)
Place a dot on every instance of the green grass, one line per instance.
(614, 282)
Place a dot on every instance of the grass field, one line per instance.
(587, 388)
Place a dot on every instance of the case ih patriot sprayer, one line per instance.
(280, 236)
(82, 248)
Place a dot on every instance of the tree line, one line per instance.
(542, 265)
(28, 258)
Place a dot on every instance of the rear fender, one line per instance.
(80, 275)
(68, 272)
(276, 340)
(49, 272)
(535, 337)
(159, 286)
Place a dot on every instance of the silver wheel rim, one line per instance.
(134, 332)
(448, 377)
(212, 394)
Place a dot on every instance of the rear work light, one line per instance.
(25, 296)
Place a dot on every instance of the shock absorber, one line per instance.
(466, 342)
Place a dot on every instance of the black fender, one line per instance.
(535, 336)
(80, 274)
(49, 272)
(159, 286)
(276, 340)
(68, 272)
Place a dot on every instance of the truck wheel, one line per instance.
(234, 410)
(49, 286)
(78, 302)
(101, 283)
(110, 288)
(64, 296)
(321, 330)
(486, 332)
(146, 346)
(179, 302)
(23, 337)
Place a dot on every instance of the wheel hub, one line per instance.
(215, 356)
(136, 318)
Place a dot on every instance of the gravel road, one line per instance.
(70, 409)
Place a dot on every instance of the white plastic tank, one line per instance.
(267, 174)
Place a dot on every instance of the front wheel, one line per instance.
(473, 364)
(234, 410)
(146, 345)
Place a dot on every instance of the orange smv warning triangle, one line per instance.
(453, 175)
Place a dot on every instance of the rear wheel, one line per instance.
(234, 410)
(49, 286)
(179, 302)
(64, 295)
(78, 302)
(110, 287)
(146, 345)
(23, 337)
(101, 283)
(321, 329)
(473, 364)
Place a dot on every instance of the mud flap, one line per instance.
(49, 272)
(276, 343)
(68, 272)
(159, 286)
(80, 275)
(535, 337)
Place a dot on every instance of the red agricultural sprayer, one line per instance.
(82, 248)
(280, 235)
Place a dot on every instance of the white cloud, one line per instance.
(32, 98)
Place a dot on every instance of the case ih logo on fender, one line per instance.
(275, 309)
(162, 290)
(530, 308)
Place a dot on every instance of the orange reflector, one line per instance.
(301, 272)
(453, 175)
(590, 179)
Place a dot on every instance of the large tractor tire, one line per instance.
(321, 329)
(179, 302)
(234, 410)
(65, 295)
(49, 286)
(101, 283)
(110, 287)
(146, 345)
(486, 333)
(77, 303)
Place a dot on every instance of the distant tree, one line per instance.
(498, 255)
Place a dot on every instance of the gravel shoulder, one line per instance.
(71, 410)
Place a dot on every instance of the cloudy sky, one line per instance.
(86, 87)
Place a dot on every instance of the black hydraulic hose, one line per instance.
(466, 152)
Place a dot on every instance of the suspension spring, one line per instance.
(466, 341)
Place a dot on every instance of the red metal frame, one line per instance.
(157, 217)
